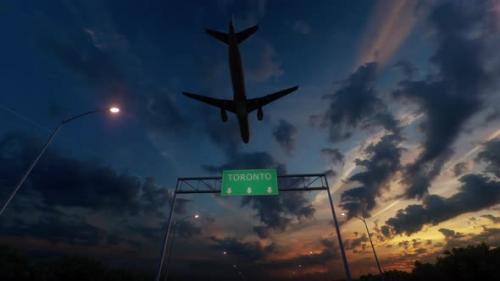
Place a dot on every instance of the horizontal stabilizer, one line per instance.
(253, 104)
(244, 34)
(221, 36)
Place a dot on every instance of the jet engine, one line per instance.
(260, 114)
(223, 115)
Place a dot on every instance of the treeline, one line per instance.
(14, 266)
(472, 263)
(459, 264)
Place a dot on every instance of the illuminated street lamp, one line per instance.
(112, 110)
(373, 248)
(194, 216)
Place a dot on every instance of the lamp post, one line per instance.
(339, 236)
(112, 110)
(169, 254)
(371, 243)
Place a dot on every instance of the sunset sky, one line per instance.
(398, 105)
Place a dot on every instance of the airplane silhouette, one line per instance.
(240, 105)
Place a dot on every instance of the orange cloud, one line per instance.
(390, 23)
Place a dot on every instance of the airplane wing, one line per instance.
(253, 104)
(220, 103)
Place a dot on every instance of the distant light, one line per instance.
(196, 216)
(310, 252)
(343, 214)
(224, 253)
(114, 109)
(300, 265)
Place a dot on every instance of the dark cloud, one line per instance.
(407, 68)
(62, 191)
(355, 102)
(382, 163)
(492, 218)
(239, 250)
(492, 116)
(476, 192)
(450, 234)
(491, 156)
(354, 244)
(276, 213)
(115, 77)
(490, 236)
(285, 134)
(459, 169)
(56, 227)
(452, 95)
(65, 181)
(186, 229)
(248, 160)
(333, 155)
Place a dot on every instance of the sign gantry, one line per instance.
(261, 182)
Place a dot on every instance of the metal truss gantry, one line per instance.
(286, 183)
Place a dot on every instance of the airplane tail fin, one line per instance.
(240, 36)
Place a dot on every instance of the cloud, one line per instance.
(453, 94)
(450, 234)
(62, 192)
(459, 169)
(56, 227)
(274, 212)
(264, 66)
(407, 68)
(489, 236)
(389, 25)
(239, 250)
(285, 134)
(476, 192)
(355, 102)
(333, 155)
(302, 27)
(353, 244)
(116, 76)
(382, 163)
(64, 181)
(491, 156)
(247, 160)
(492, 218)
(328, 252)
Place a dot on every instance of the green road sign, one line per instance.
(249, 182)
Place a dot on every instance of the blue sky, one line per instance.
(397, 103)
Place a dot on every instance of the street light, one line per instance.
(195, 216)
(112, 110)
(373, 248)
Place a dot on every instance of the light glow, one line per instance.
(114, 109)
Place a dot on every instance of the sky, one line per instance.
(397, 105)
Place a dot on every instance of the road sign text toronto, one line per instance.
(249, 182)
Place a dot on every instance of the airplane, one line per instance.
(240, 104)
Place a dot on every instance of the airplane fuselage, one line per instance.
(238, 83)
